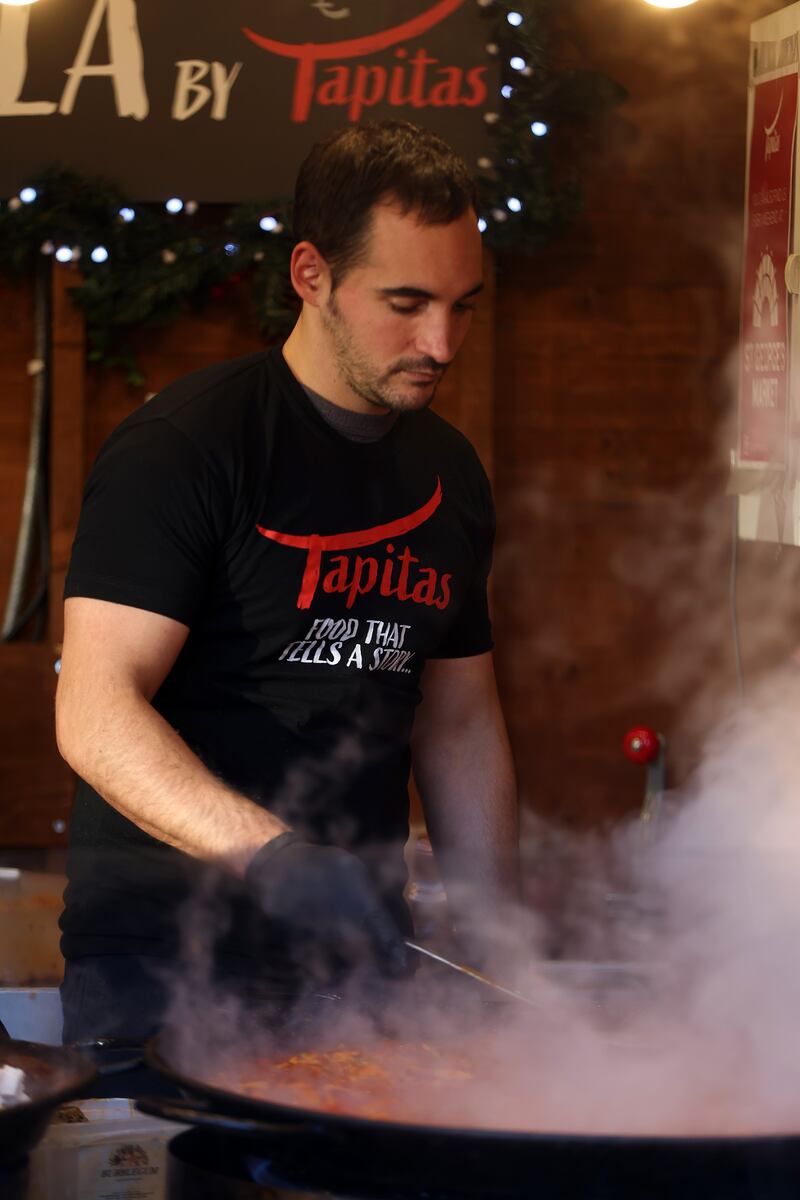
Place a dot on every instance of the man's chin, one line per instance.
(411, 398)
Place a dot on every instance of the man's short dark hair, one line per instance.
(352, 170)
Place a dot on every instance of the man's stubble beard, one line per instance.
(360, 374)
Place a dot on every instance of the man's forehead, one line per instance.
(417, 254)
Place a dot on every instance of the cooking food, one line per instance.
(12, 1086)
(393, 1080)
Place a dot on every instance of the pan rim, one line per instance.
(57, 1056)
(268, 1110)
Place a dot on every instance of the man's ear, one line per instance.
(310, 274)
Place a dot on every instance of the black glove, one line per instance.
(324, 896)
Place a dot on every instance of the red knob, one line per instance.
(642, 745)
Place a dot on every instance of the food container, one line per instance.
(101, 1150)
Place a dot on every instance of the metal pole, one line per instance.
(33, 512)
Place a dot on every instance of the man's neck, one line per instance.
(309, 361)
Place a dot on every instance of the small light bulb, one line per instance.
(231, 248)
(499, 215)
(513, 204)
(47, 247)
(670, 3)
(14, 203)
(64, 254)
(491, 118)
(268, 224)
(539, 129)
(517, 64)
(515, 19)
(28, 195)
(483, 224)
(169, 257)
(506, 91)
(190, 207)
(127, 214)
(99, 254)
(492, 48)
(174, 205)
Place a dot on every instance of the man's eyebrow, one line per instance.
(412, 293)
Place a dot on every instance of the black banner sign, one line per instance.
(219, 100)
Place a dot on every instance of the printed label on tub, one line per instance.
(133, 1169)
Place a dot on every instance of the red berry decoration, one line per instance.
(642, 745)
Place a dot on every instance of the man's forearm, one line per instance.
(468, 788)
(137, 762)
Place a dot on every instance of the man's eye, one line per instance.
(462, 308)
(406, 309)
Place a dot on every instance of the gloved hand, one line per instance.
(324, 896)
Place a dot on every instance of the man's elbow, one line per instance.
(69, 736)
(76, 726)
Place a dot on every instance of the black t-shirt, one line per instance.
(316, 575)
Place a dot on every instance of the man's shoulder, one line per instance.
(215, 411)
(213, 395)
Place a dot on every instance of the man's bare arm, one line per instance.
(114, 660)
(465, 774)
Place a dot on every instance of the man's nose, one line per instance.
(438, 338)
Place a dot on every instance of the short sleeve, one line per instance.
(150, 526)
(471, 631)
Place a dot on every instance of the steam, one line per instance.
(710, 1044)
(679, 1019)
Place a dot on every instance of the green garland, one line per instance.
(159, 265)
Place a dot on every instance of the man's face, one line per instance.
(396, 321)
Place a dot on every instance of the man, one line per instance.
(279, 576)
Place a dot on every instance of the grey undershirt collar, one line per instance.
(358, 427)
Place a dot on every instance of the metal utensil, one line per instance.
(473, 974)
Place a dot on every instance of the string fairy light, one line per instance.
(132, 273)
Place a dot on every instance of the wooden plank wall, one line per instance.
(615, 386)
(36, 787)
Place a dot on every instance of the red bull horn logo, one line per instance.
(400, 576)
(415, 81)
